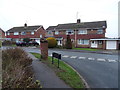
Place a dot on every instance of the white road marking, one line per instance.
(91, 58)
(82, 57)
(73, 57)
(65, 56)
(100, 59)
(109, 60)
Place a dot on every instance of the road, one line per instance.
(98, 70)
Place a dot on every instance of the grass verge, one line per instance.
(87, 49)
(65, 72)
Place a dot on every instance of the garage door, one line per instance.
(111, 45)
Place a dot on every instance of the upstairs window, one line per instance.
(49, 32)
(23, 33)
(32, 33)
(56, 32)
(16, 33)
(82, 32)
(100, 31)
(8, 33)
(69, 32)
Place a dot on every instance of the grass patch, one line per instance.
(87, 49)
(65, 72)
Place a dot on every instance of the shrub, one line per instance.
(51, 42)
(8, 43)
(17, 71)
(26, 40)
(68, 43)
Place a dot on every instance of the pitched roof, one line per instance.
(97, 24)
(51, 27)
(2, 30)
(28, 28)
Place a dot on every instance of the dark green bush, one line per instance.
(26, 40)
(51, 42)
(16, 69)
(68, 43)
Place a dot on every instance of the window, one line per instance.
(40, 36)
(92, 41)
(56, 32)
(16, 33)
(100, 31)
(70, 32)
(8, 33)
(49, 32)
(32, 33)
(100, 42)
(82, 32)
(83, 42)
(23, 33)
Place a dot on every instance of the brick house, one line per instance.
(2, 34)
(32, 32)
(80, 32)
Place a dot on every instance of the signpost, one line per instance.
(56, 55)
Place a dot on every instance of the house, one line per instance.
(2, 33)
(80, 32)
(105, 43)
(32, 32)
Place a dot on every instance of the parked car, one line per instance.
(21, 43)
(33, 43)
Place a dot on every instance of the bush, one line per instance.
(8, 43)
(68, 43)
(26, 40)
(17, 71)
(51, 42)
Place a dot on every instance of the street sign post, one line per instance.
(56, 55)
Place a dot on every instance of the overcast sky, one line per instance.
(15, 13)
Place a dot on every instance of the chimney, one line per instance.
(25, 25)
(78, 21)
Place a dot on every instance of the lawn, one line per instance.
(87, 49)
(65, 72)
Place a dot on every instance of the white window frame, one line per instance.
(40, 35)
(32, 33)
(82, 32)
(23, 32)
(49, 32)
(16, 33)
(69, 31)
(82, 42)
(56, 32)
(100, 31)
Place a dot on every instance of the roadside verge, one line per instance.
(69, 75)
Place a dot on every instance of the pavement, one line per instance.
(45, 75)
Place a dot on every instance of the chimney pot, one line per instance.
(78, 21)
(25, 25)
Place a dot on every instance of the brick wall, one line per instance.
(2, 34)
